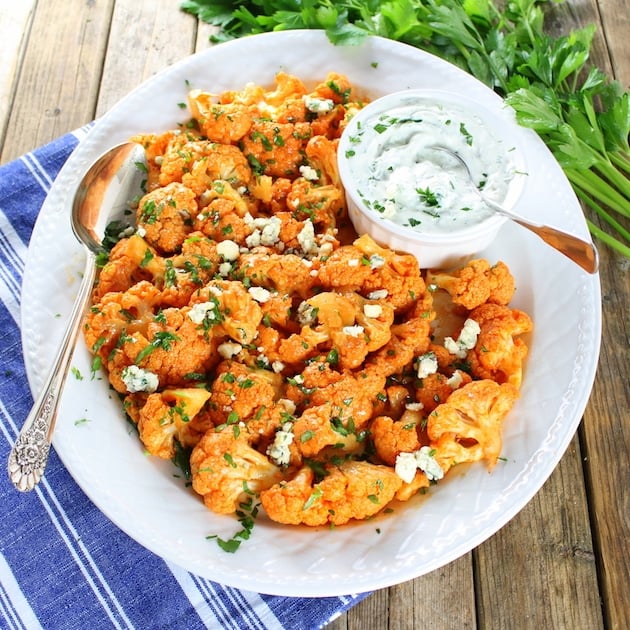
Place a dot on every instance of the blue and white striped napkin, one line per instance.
(63, 564)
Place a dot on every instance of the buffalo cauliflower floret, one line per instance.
(352, 490)
(274, 148)
(131, 260)
(220, 122)
(347, 323)
(172, 415)
(165, 216)
(172, 347)
(284, 273)
(227, 306)
(119, 314)
(396, 273)
(467, 427)
(498, 353)
(475, 283)
(392, 437)
(435, 389)
(225, 468)
(223, 162)
(346, 269)
(408, 340)
(324, 205)
(239, 391)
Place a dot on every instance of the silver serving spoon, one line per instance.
(579, 251)
(102, 196)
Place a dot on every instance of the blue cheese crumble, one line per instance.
(137, 379)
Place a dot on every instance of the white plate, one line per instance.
(142, 496)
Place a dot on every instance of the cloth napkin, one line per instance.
(63, 564)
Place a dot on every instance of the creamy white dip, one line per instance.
(401, 178)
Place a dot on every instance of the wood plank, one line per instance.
(539, 570)
(57, 92)
(14, 27)
(146, 36)
(605, 430)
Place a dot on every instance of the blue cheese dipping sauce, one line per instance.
(402, 178)
(413, 197)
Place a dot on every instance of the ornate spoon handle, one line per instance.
(29, 455)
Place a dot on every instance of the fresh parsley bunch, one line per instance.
(581, 114)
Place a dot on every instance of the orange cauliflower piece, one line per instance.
(467, 427)
(336, 87)
(172, 347)
(130, 260)
(352, 394)
(284, 273)
(475, 283)
(352, 490)
(323, 204)
(435, 389)
(392, 437)
(229, 307)
(408, 340)
(498, 354)
(274, 148)
(349, 323)
(239, 391)
(225, 468)
(165, 216)
(322, 155)
(221, 122)
(224, 163)
(346, 269)
(117, 314)
(398, 274)
(180, 154)
(314, 431)
(172, 415)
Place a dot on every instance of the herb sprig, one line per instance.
(582, 115)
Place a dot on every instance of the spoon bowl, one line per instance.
(101, 200)
(581, 252)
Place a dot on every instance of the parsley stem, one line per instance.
(611, 241)
(596, 186)
(589, 201)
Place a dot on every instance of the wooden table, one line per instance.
(564, 560)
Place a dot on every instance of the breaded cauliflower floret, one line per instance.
(475, 283)
(352, 490)
(225, 467)
(172, 415)
(165, 216)
(467, 427)
(498, 353)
